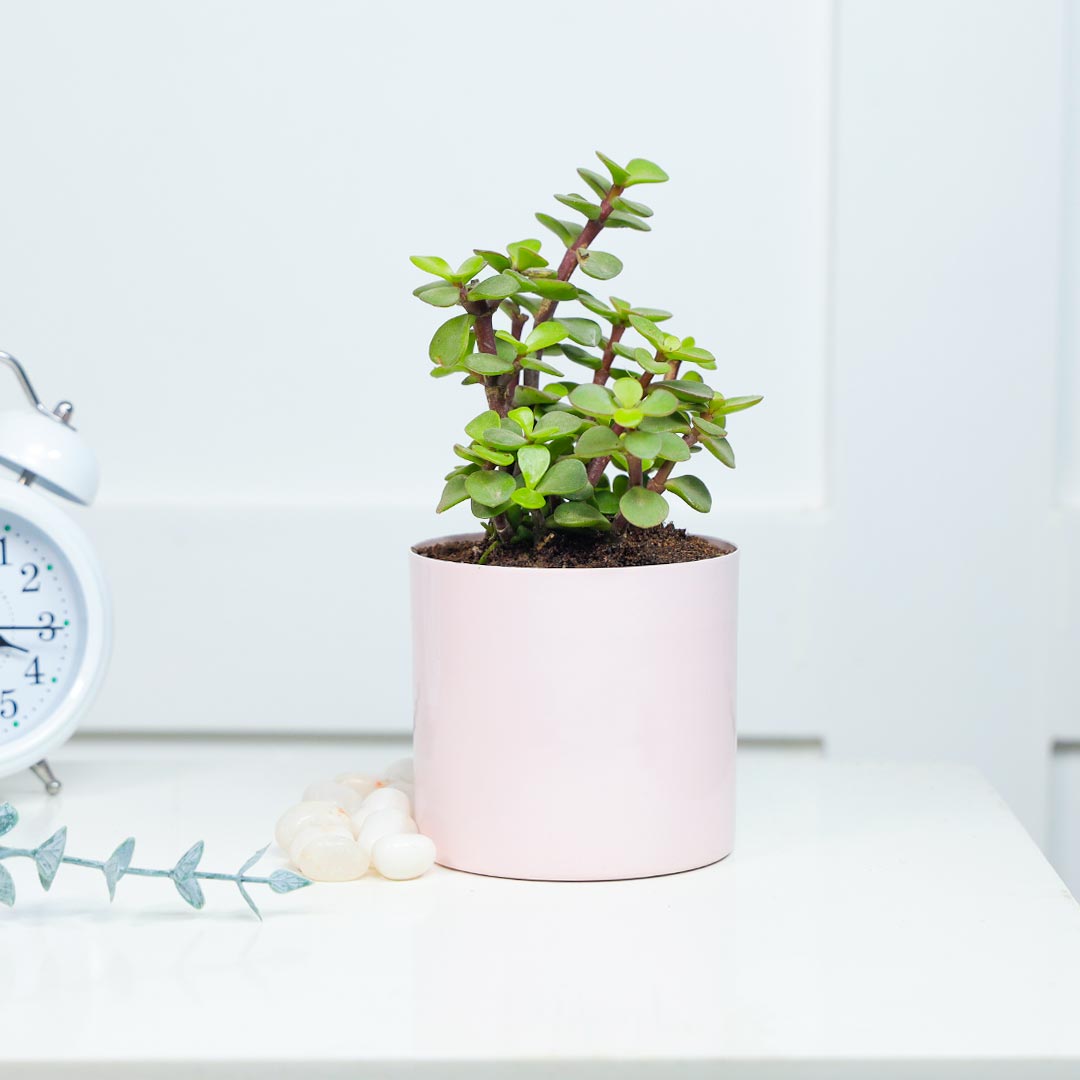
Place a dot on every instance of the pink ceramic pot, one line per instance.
(575, 725)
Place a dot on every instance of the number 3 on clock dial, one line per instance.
(40, 631)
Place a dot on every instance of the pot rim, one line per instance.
(726, 546)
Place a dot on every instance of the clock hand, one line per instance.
(5, 644)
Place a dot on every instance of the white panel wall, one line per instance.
(207, 213)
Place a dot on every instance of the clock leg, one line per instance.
(42, 771)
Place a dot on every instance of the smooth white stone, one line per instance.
(386, 798)
(362, 815)
(307, 832)
(402, 769)
(331, 791)
(305, 813)
(361, 783)
(389, 822)
(403, 856)
(405, 787)
(333, 857)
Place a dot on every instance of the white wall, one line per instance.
(207, 213)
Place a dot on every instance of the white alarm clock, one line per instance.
(54, 603)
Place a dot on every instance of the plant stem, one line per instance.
(604, 370)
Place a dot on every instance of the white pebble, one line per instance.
(306, 813)
(386, 798)
(331, 791)
(399, 770)
(390, 822)
(333, 857)
(307, 832)
(403, 856)
(360, 783)
(405, 788)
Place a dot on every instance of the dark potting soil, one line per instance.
(571, 550)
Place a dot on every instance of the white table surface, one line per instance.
(875, 920)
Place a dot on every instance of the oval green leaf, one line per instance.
(579, 515)
(563, 478)
(489, 487)
(643, 508)
(692, 492)
(533, 462)
(451, 341)
(592, 399)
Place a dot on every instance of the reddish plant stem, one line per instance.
(673, 369)
(633, 470)
(604, 370)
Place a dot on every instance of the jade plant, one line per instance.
(598, 453)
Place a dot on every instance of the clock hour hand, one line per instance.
(5, 644)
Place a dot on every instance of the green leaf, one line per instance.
(495, 259)
(592, 399)
(673, 422)
(650, 362)
(720, 449)
(619, 175)
(641, 171)
(529, 395)
(502, 439)
(692, 492)
(581, 205)
(486, 364)
(737, 404)
(628, 418)
(599, 185)
(642, 444)
(451, 341)
(525, 255)
(490, 487)
(9, 817)
(596, 441)
(533, 363)
(566, 231)
(579, 515)
(498, 287)
(687, 389)
(551, 289)
(432, 264)
(627, 392)
(607, 502)
(693, 355)
(597, 307)
(438, 295)
(631, 207)
(454, 493)
(510, 341)
(469, 268)
(545, 335)
(555, 423)
(655, 314)
(709, 427)
(563, 478)
(487, 420)
(648, 330)
(533, 462)
(479, 454)
(659, 403)
(528, 499)
(600, 265)
(579, 356)
(618, 220)
(523, 418)
(643, 508)
(672, 448)
(583, 331)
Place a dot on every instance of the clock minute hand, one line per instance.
(5, 644)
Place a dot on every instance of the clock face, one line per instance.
(42, 627)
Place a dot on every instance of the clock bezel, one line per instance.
(69, 537)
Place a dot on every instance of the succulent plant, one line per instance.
(591, 455)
